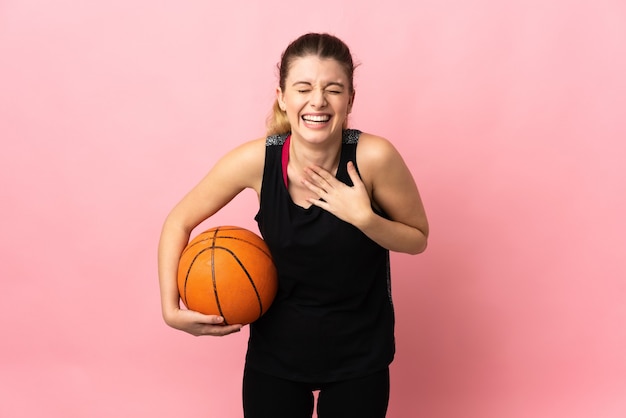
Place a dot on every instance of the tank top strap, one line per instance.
(351, 136)
(349, 143)
(284, 160)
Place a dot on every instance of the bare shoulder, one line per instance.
(375, 152)
(389, 180)
(244, 164)
(250, 151)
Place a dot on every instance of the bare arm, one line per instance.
(395, 192)
(388, 184)
(240, 169)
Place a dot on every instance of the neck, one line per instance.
(303, 154)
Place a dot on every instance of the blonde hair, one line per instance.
(322, 45)
(277, 122)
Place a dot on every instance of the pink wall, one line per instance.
(510, 114)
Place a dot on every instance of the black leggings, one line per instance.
(266, 396)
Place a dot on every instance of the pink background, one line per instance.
(509, 113)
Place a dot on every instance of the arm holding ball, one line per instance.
(240, 169)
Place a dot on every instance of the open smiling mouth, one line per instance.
(316, 118)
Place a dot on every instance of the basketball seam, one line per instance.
(217, 299)
(213, 246)
(188, 272)
(245, 270)
(233, 238)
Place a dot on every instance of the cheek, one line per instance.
(292, 113)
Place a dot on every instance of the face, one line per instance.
(316, 98)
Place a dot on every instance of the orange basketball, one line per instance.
(227, 271)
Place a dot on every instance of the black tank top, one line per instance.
(332, 318)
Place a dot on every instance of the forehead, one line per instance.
(313, 68)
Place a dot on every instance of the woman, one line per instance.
(333, 203)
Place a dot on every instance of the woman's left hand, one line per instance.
(351, 204)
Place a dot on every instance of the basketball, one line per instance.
(227, 271)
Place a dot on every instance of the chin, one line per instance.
(319, 134)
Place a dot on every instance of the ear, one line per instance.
(281, 99)
(351, 101)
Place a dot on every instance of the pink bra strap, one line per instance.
(285, 160)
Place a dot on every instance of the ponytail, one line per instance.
(277, 122)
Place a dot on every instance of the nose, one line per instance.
(318, 98)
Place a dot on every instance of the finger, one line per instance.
(206, 319)
(318, 202)
(215, 319)
(224, 330)
(319, 175)
(354, 175)
(312, 187)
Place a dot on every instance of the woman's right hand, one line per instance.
(199, 324)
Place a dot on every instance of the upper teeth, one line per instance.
(316, 118)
